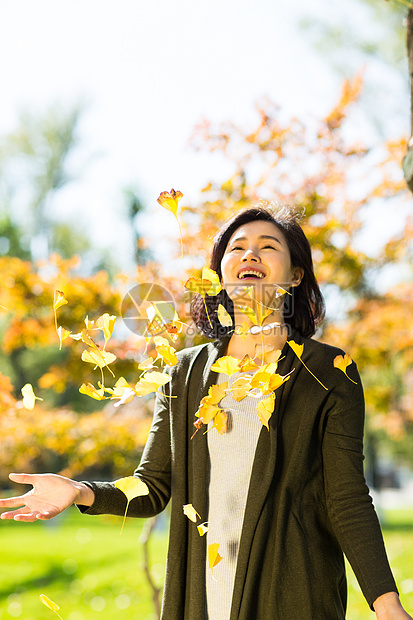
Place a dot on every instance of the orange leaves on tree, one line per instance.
(29, 397)
(50, 604)
(169, 201)
(298, 350)
(131, 487)
(342, 363)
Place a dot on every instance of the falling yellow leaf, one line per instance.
(240, 388)
(202, 529)
(247, 363)
(63, 334)
(131, 487)
(227, 365)
(170, 200)
(216, 392)
(151, 382)
(190, 512)
(29, 397)
(220, 421)
(342, 363)
(90, 390)
(243, 330)
(59, 300)
(84, 337)
(213, 277)
(50, 604)
(206, 411)
(263, 375)
(106, 323)
(98, 357)
(213, 556)
(250, 313)
(224, 317)
(265, 408)
(298, 350)
(148, 363)
(123, 391)
(268, 353)
(276, 380)
(165, 351)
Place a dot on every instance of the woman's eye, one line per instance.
(236, 247)
(271, 247)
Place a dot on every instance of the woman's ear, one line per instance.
(298, 274)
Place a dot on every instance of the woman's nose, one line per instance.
(251, 254)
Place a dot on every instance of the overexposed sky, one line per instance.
(148, 71)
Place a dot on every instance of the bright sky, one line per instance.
(149, 70)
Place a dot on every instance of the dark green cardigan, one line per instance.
(307, 502)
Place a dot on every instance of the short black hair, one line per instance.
(303, 310)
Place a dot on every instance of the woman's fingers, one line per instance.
(23, 478)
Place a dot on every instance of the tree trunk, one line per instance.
(408, 160)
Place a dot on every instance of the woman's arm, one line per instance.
(51, 494)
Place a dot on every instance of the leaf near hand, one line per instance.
(131, 487)
(265, 409)
(342, 363)
(190, 512)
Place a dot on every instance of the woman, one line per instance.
(284, 495)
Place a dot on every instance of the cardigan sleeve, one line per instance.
(154, 469)
(349, 504)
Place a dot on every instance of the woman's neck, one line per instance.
(259, 339)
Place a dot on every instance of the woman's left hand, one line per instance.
(389, 607)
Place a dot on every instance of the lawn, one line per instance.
(92, 572)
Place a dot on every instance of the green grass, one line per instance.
(84, 565)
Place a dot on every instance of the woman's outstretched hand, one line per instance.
(388, 607)
(51, 494)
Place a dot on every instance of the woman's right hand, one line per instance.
(51, 494)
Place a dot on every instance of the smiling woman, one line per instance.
(277, 482)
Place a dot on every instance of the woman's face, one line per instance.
(257, 255)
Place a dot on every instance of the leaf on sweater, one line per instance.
(131, 487)
(50, 604)
(247, 363)
(342, 363)
(206, 411)
(227, 365)
(265, 409)
(220, 421)
(217, 392)
(213, 556)
(224, 317)
(190, 512)
(240, 388)
(298, 350)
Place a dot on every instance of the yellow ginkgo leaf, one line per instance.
(265, 408)
(227, 365)
(201, 287)
(165, 351)
(224, 317)
(148, 363)
(220, 421)
(240, 388)
(190, 512)
(250, 313)
(342, 363)
(213, 277)
(98, 357)
(151, 382)
(131, 487)
(202, 529)
(170, 200)
(263, 375)
(213, 556)
(90, 390)
(216, 392)
(206, 411)
(247, 363)
(63, 334)
(59, 300)
(276, 380)
(298, 350)
(243, 330)
(29, 397)
(268, 353)
(50, 604)
(106, 323)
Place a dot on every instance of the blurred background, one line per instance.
(104, 105)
